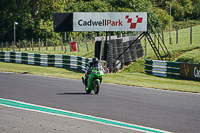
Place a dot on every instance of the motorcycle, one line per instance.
(94, 80)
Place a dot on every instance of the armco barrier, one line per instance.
(64, 61)
(162, 68)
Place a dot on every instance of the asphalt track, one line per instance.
(166, 110)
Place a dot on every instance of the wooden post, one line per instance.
(46, 44)
(86, 45)
(13, 46)
(6, 46)
(19, 46)
(176, 35)
(25, 45)
(92, 39)
(145, 45)
(77, 44)
(62, 42)
(70, 45)
(39, 44)
(1, 46)
(158, 42)
(32, 45)
(54, 44)
(163, 37)
(191, 34)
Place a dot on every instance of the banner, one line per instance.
(190, 71)
(110, 21)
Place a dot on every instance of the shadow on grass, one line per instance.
(26, 72)
(168, 77)
(74, 70)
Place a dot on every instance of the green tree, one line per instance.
(181, 9)
(15, 11)
(196, 9)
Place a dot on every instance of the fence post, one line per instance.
(77, 44)
(54, 44)
(145, 45)
(163, 37)
(70, 45)
(197, 37)
(32, 45)
(1, 46)
(13, 46)
(39, 44)
(6, 46)
(65, 43)
(25, 46)
(19, 46)
(62, 42)
(46, 44)
(176, 35)
(110, 54)
(86, 44)
(190, 34)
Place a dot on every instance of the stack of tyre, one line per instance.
(123, 52)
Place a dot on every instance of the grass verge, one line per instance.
(125, 78)
(190, 57)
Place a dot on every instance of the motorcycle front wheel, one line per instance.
(97, 87)
(88, 91)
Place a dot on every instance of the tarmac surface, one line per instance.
(165, 110)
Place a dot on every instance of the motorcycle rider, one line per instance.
(94, 63)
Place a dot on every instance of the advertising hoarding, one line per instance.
(190, 71)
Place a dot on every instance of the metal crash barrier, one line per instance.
(63, 61)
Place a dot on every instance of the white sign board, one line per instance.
(110, 21)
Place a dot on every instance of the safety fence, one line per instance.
(162, 68)
(63, 61)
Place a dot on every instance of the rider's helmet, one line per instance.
(95, 60)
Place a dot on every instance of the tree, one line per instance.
(196, 9)
(14, 11)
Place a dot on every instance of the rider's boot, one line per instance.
(86, 78)
(83, 80)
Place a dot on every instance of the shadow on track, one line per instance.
(73, 94)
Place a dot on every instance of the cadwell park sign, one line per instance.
(108, 21)
(100, 21)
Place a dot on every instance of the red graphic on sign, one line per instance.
(133, 25)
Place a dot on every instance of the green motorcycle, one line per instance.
(94, 80)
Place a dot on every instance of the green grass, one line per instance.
(125, 78)
(144, 80)
(190, 57)
(39, 70)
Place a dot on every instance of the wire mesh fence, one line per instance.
(54, 45)
(181, 38)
